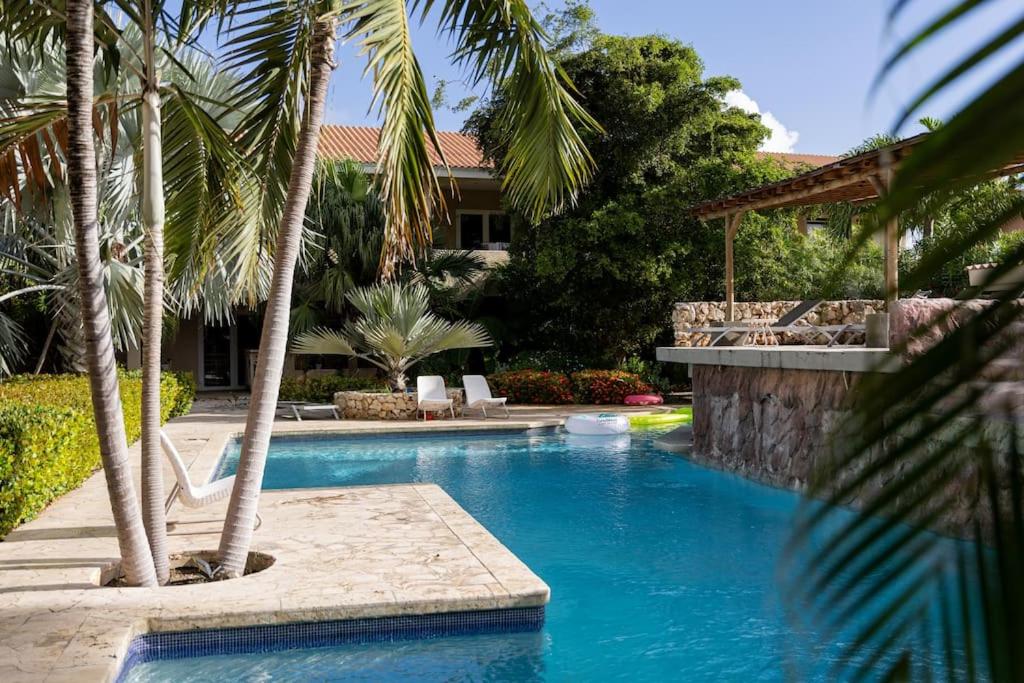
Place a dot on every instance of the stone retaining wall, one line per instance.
(775, 425)
(691, 314)
(362, 405)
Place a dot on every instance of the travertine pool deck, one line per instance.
(341, 553)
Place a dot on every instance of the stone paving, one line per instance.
(340, 553)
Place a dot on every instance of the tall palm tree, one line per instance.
(136, 556)
(289, 49)
(151, 79)
(904, 603)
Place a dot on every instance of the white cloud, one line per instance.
(781, 139)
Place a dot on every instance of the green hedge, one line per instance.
(48, 440)
(322, 389)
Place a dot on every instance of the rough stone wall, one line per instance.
(920, 324)
(774, 426)
(687, 315)
(361, 405)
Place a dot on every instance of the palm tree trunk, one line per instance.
(241, 515)
(153, 513)
(136, 559)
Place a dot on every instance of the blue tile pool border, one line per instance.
(151, 647)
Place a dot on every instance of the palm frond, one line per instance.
(931, 445)
(546, 163)
(409, 189)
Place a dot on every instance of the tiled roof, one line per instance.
(360, 143)
(793, 159)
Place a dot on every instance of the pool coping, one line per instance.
(69, 630)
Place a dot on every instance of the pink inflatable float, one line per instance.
(644, 400)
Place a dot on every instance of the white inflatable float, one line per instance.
(597, 424)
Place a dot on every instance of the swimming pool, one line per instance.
(659, 569)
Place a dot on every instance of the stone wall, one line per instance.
(775, 425)
(687, 315)
(361, 405)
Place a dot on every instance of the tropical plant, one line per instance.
(877, 580)
(286, 53)
(145, 87)
(396, 331)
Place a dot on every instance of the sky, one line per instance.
(806, 65)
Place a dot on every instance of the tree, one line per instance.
(878, 580)
(396, 331)
(136, 557)
(148, 69)
(545, 165)
(603, 276)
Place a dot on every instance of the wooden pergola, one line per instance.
(856, 179)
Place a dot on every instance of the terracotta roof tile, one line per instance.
(360, 143)
(793, 159)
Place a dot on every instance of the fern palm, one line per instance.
(396, 330)
(933, 436)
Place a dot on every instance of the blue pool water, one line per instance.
(660, 570)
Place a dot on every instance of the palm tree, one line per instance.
(396, 331)
(900, 600)
(289, 51)
(137, 558)
(206, 197)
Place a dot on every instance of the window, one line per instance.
(471, 230)
(483, 230)
(500, 228)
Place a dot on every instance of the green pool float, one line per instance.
(678, 416)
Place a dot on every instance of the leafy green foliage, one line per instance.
(552, 360)
(322, 389)
(603, 276)
(535, 387)
(607, 386)
(48, 441)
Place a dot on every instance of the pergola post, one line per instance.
(891, 241)
(732, 224)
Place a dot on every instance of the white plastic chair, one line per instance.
(431, 395)
(478, 395)
(192, 496)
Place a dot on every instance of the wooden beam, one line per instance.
(891, 241)
(732, 225)
(782, 197)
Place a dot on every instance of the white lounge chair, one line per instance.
(431, 395)
(192, 496)
(478, 395)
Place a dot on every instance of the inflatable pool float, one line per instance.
(597, 424)
(643, 400)
(676, 417)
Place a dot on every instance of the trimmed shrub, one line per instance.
(535, 387)
(607, 386)
(322, 389)
(48, 440)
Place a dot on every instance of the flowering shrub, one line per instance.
(607, 386)
(536, 387)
